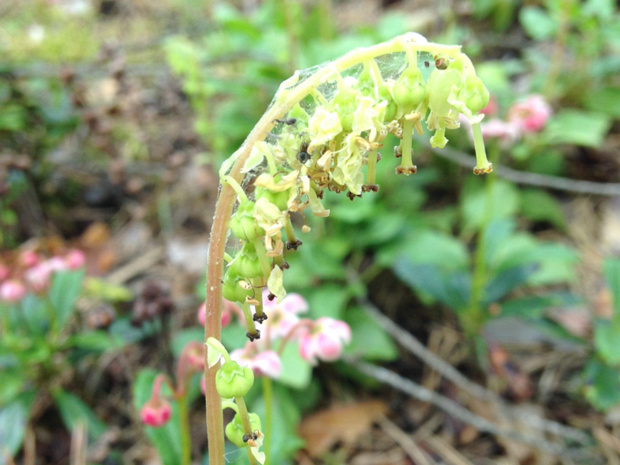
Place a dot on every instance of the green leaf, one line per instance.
(73, 411)
(98, 341)
(537, 23)
(452, 289)
(428, 246)
(611, 270)
(506, 281)
(602, 385)
(538, 205)
(167, 438)
(502, 203)
(369, 340)
(296, 372)
(11, 385)
(607, 339)
(577, 127)
(534, 307)
(65, 289)
(328, 300)
(13, 419)
(605, 100)
(556, 264)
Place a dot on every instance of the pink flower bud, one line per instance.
(29, 258)
(194, 353)
(506, 132)
(12, 291)
(266, 363)
(227, 312)
(5, 272)
(75, 259)
(491, 108)
(156, 412)
(56, 264)
(531, 115)
(324, 341)
(202, 314)
(38, 277)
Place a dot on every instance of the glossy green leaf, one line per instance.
(65, 289)
(504, 282)
(537, 23)
(296, 372)
(577, 128)
(607, 340)
(13, 420)
(602, 385)
(611, 270)
(369, 340)
(503, 203)
(538, 205)
(74, 411)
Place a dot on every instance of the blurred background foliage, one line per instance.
(119, 112)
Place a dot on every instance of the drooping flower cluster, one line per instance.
(330, 140)
(31, 271)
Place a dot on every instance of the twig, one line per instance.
(457, 411)
(418, 349)
(405, 441)
(533, 179)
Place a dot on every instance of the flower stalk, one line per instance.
(339, 136)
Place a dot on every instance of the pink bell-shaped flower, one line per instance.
(324, 341)
(12, 291)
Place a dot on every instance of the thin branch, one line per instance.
(457, 411)
(533, 179)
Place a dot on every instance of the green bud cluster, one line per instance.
(232, 380)
(330, 139)
(235, 432)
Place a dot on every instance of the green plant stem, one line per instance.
(247, 427)
(186, 447)
(371, 176)
(559, 46)
(326, 24)
(474, 316)
(287, 9)
(287, 97)
(268, 396)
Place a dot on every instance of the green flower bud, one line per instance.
(235, 432)
(233, 380)
(409, 90)
(246, 263)
(344, 105)
(390, 109)
(279, 199)
(440, 84)
(232, 289)
(476, 94)
(243, 224)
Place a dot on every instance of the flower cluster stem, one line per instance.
(268, 397)
(474, 314)
(186, 448)
(287, 97)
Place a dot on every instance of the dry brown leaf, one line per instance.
(339, 423)
(96, 235)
